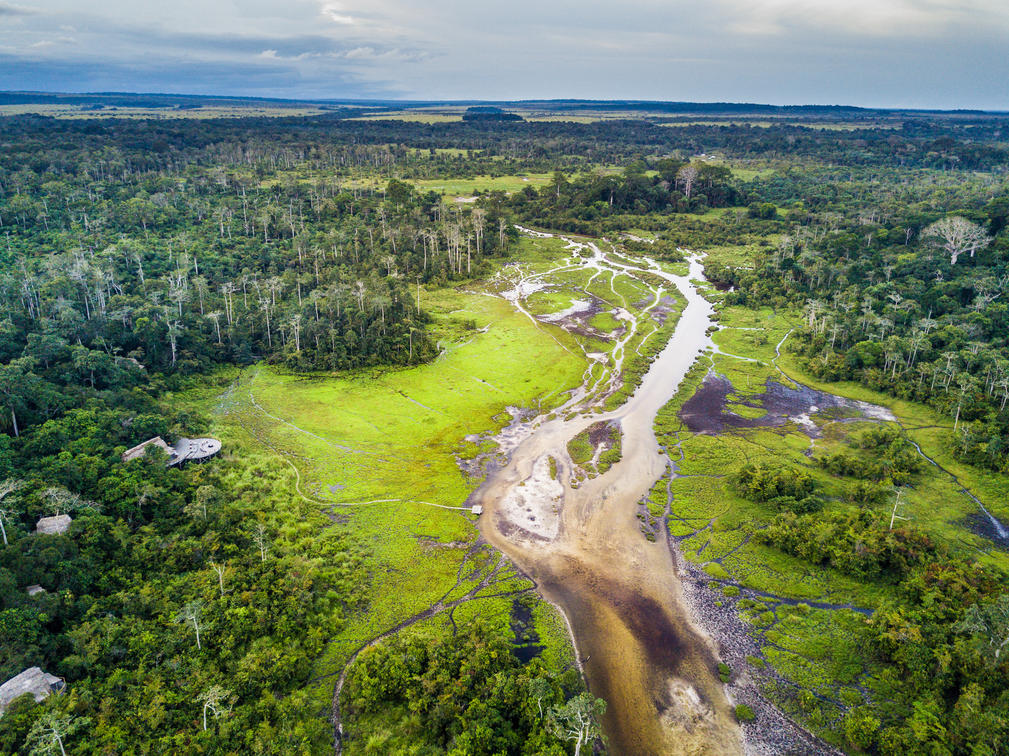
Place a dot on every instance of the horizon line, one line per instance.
(379, 101)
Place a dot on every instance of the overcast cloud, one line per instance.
(901, 53)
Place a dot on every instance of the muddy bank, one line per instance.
(987, 527)
(505, 441)
(707, 412)
(661, 312)
(577, 318)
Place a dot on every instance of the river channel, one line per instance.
(620, 593)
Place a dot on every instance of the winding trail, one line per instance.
(441, 605)
(286, 455)
(340, 447)
(584, 549)
(390, 501)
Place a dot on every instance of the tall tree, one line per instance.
(957, 236)
(7, 511)
(578, 720)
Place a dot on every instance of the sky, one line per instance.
(875, 53)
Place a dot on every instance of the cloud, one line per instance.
(334, 12)
(876, 52)
(265, 79)
(8, 10)
(864, 18)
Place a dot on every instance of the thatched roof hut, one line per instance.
(55, 525)
(194, 449)
(141, 449)
(34, 681)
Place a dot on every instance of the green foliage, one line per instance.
(891, 457)
(861, 729)
(744, 713)
(856, 543)
(464, 695)
(116, 579)
(902, 309)
(788, 488)
(578, 719)
(939, 641)
(50, 733)
(140, 253)
(762, 210)
(580, 449)
(594, 203)
(223, 263)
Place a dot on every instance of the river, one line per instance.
(620, 593)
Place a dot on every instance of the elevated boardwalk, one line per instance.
(194, 449)
(183, 450)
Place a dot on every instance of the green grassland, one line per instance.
(449, 188)
(465, 187)
(410, 117)
(748, 174)
(375, 450)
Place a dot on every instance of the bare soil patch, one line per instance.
(706, 412)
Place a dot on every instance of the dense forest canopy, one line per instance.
(116, 266)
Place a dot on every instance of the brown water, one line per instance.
(620, 593)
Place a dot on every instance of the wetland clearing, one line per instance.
(599, 322)
(581, 400)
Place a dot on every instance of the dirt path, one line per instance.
(620, 593)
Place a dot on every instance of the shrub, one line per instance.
(744, 713)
